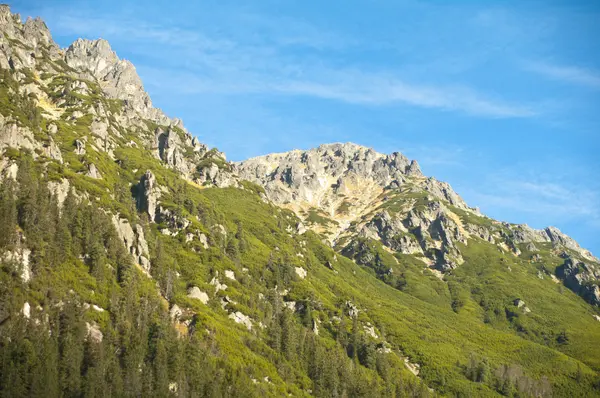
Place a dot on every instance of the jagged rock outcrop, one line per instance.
(118, 78)
(33, 33)
(334, 185)
(581, 277)
(134, 241)
(88, 70)
(20, 257)
(522, 233)
(312, 176)
(60, 189)
(148, 195)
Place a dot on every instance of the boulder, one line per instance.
(301, 272)
(238, 317)
(195, 293)
(79, 147)
(175, 312)
(203, 241)
(229, 274)
(94, 333)
(26, 310)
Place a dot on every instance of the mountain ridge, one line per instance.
(258, 168)
(136, 261)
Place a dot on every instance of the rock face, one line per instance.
(311, 175)
(581, 277)
(118, 78)
(134, 241)
(148, 195)
(21, 258)
(93, 69)
(334, 185)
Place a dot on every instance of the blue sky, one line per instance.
(500, 99)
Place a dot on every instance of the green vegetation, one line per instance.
(316, 216)
(344, 330)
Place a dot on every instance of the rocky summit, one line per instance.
(137, 261)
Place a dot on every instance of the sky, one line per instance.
(500, 99)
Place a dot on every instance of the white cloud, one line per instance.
(570, 74)
(234, 65)
(554, 199)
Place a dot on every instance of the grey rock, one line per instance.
(217, 284)
(8, 169)
(444, 191)
(531, 247)
(93, 171)
(203, 241)
(99, 128)
(582, 278)
(557, 237)
(175, 312)
(52, 151)
(21, 258)
(148, 195)
(351, 309)
(26, 310)
(304, 175)
(125, 232)
(301, 272)
(239, 317)
(229, 274)
(79, 147)
(94, 333)
(60, 189)
(13, 136)
(195, 293)
(118, 78)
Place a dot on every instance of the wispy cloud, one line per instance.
(569, 74)
(555, 200)
(236, 65)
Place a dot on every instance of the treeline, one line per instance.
(76, 259)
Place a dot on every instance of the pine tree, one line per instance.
(289, 341)
(8, 214)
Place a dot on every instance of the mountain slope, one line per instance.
(135, 261)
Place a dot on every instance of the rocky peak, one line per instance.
(342, 182)
(8, 21)
(94, 55)
(329, 166)
(37, 33)
(33, 32)
(117, 77)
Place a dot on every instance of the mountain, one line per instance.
(136, 261)
(353, 195)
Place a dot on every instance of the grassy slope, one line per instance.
(417, 322)
(438, 338)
